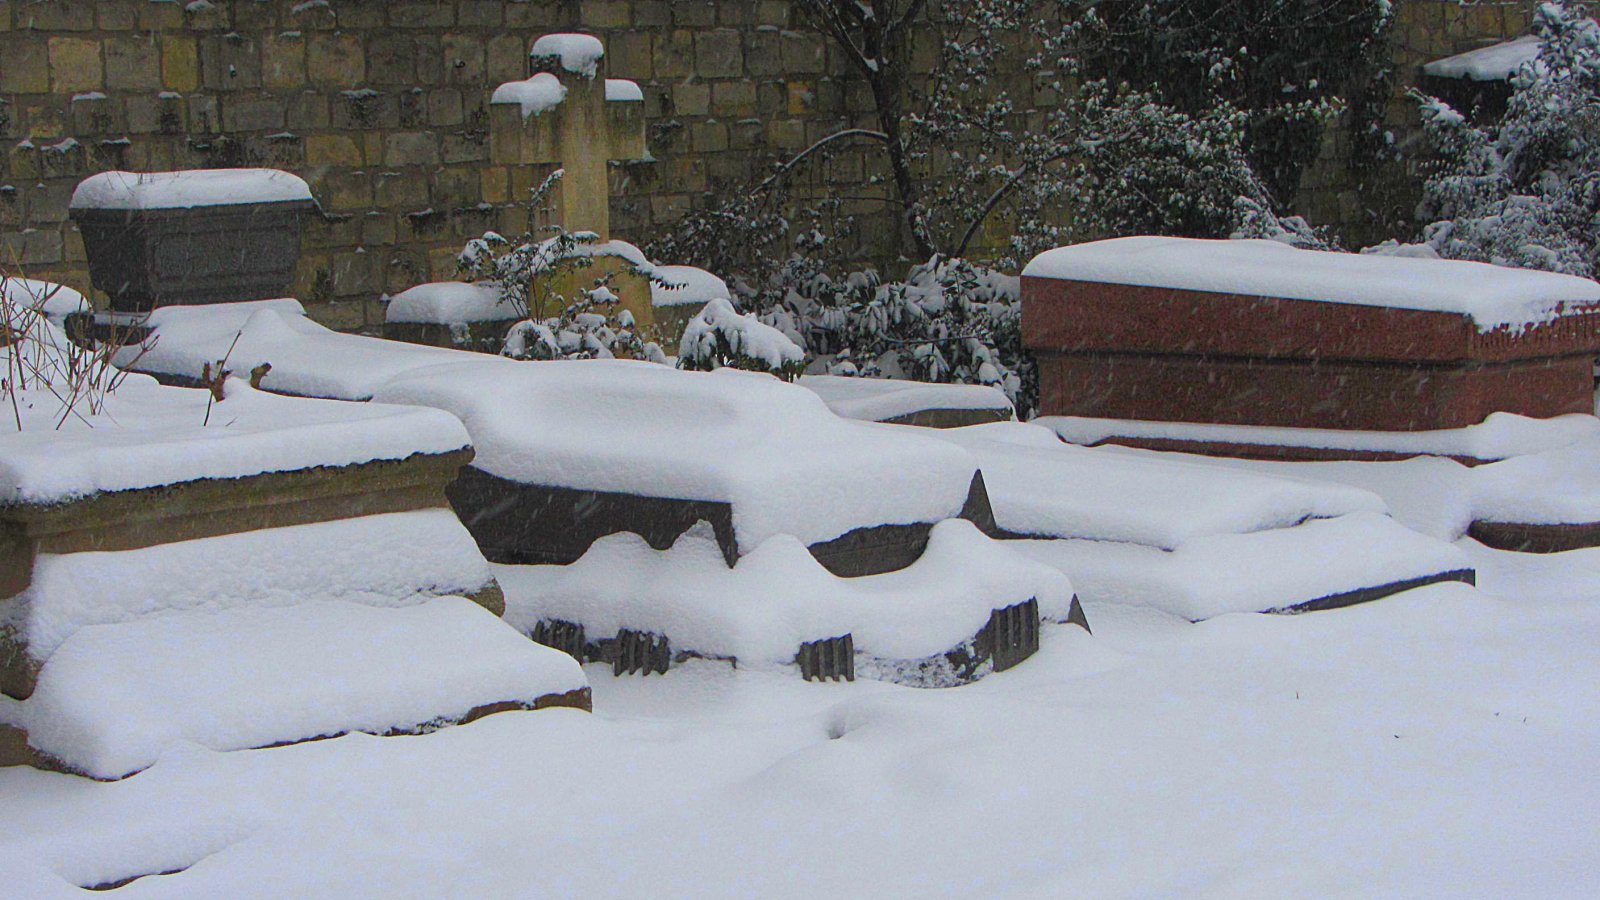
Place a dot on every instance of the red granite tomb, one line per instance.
(1258, 334)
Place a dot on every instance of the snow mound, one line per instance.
(391, 560)
(778, 596)
(1557, 487)
(1492, 296)
(185, 189)
(113, 697)
(535, 95)
(450, 303)
(1039, 486)
(772, 450)
(1497, 62)
(579, 53)
(878, 399)
(148, 435)
(56, 301)
(621, 90)
(1268, 570)
(685, 286)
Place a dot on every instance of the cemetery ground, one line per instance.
(1439, 742)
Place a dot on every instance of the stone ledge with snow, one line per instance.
(902, 402)
(923, 625)
(113, 697)
(1514, 483)
(1196, 540)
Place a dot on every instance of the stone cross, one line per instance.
(570, 114)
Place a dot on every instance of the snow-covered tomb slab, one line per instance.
(1257, 333)
(164, 466)
(569, 452)
(113, 697)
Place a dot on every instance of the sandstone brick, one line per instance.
(345, 191)
(628, 55)
(747, 134)
(718, 54)
(252, 114)
(335, 59)
(32, 247)
(763, 53)
(332, 150)
(306, 111)
(786, 133)
(542, 14)
(493, 184)
(354, 273)
(24, 64)
(95, 114)
(212, 17)
(283, 61)
(463, 147)
(160, 16)
(733, 98)
(772, 13)
(392, 59)
(506, 59)
(480, 13)
(652, 14)
(180, 63)
(463, 61)
(55, 17)
(377, 229)
(75, 65)
(803, 54)
(445, 108)
(404, 191)
(709, 137)
(605, 14)
(109, 16)
(230, 62)
(133, 62)
(411, 148)
(427, 14)
(694, 13)
(674, 54)
(691, 99)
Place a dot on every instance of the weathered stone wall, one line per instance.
(382, 107)
(1365, 200)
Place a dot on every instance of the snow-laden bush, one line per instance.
(1525, 191)
(586, 324)
(950, 321)
(721, 337)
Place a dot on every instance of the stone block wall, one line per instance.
(382, 107)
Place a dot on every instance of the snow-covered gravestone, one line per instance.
(569, 114)
(202, 236)
(1190, 333)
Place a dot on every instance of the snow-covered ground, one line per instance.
(1438, 743)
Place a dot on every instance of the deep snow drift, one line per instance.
(1436, 743)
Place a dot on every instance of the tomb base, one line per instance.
(1311, 393)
